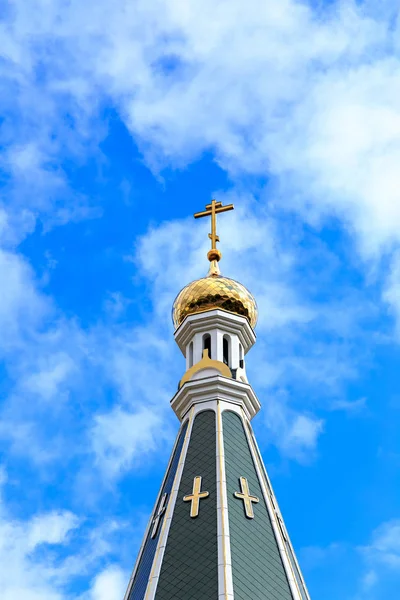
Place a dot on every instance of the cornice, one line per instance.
(216, 318)
(216, 387)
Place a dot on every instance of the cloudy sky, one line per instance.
(118, 120)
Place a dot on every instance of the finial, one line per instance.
(214, 255)
(214, 269)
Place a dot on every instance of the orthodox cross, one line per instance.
(213, 209)
(157, 518)
(247, 499)
(195, 497)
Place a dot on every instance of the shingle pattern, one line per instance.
(258, 572)
(214, 291)
(139, 586)
(190, 566)
(294, 564)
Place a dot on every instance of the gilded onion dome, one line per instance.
(214, 291)
(211, 292)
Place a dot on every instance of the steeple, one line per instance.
(216, 532)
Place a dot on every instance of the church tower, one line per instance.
(216, 532)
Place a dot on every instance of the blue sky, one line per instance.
(118, 122)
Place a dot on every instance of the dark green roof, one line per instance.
(258, 571)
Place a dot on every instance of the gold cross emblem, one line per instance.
(157, 518)
(213, 209)
(247, 499)
(195, 497)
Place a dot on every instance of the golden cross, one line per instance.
(195, 497)
(213, 209)
(247, 499)
(157, 518)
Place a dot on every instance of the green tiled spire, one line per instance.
(225, 551)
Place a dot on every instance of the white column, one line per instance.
(234, 351)
(197, 347)
(214, 344)
(220, 352)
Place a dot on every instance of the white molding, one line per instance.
(205, 321)
(225, 576)
(199, 408)
(225, 406)
(216, 387)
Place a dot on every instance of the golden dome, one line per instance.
(214, 291)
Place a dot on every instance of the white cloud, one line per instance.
(52, 371)
(23, 572)
(294, 433)
(303, 432)
(137, 364)
(350, 150)
(369, 580)
(384, 548)
(41, 556)
(392, 288)
(121, 439)
(22, 307)
(314, 557)
(110, 584)
(51, 528)
(382, 558)
(351, 407)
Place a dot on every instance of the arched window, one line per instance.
(241, 359)
(190, 354)
(207, 343)
(225, 350)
